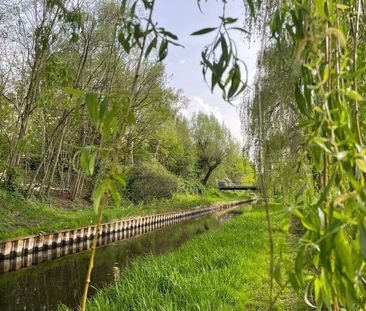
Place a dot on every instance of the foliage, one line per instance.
(213, 143)
(150, 181)
(190, 186)
(173, 147)
(330, 48)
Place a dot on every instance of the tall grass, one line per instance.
(224, 269)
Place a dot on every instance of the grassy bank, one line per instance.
(224, 269)
(19, 217)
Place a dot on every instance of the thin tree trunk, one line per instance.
(55, 160)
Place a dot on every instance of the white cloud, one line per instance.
(225, 114)
(196, 104)
(182, 61)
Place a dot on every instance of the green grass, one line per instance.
(224, 269)
(20, 217)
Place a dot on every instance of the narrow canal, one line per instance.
(42, 287)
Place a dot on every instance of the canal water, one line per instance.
(42, 287)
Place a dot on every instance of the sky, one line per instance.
(182, 17)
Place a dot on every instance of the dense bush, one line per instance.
(150, 181)
(190, 186)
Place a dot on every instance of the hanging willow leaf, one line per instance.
(169, 34)
(163, 50)
(353, 95)
(124, 42)
(203, 31)
(300, 101)
(235, 81)
(115, 194)
(92, 105)
(103, 108)
(151, 46)
(84, 159)
(229, 20)
(120, 178)
(98, 194)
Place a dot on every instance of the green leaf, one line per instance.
(151, 46)
(124, 42)
(300, 101)
(133, 9)
(115, 194)
(363, 240)
(99, 192)
(229, 20)
(203, 31)
(361, 165)
(308, 225)
(169, 34)
(299, 265)
(224, 49)
(320, 5)
(92, 158)
(84, 159)
(277, 273)
(235, 81)
(120, 178)
(317, 287)
(353, 94)
(103, 108)
(92, 104)
(294, 281)
(163, 50)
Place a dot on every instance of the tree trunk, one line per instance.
(55, 160)
(209, 172)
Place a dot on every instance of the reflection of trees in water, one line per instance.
(61, 280)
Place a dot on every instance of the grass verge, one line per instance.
(224, 269)
(20, 217)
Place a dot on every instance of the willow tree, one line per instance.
(213, 143)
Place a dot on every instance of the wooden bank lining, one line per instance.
(25, 245)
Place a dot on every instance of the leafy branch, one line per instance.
(220, 59)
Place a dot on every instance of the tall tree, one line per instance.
(213, 142)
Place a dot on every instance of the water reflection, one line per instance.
(27, 260)
(44, 286)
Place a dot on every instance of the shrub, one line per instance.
(150, 181)
(190, 186)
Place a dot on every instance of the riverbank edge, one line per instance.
(20, 246)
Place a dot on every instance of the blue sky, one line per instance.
(182, 17)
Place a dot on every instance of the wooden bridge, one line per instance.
(235, 187)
